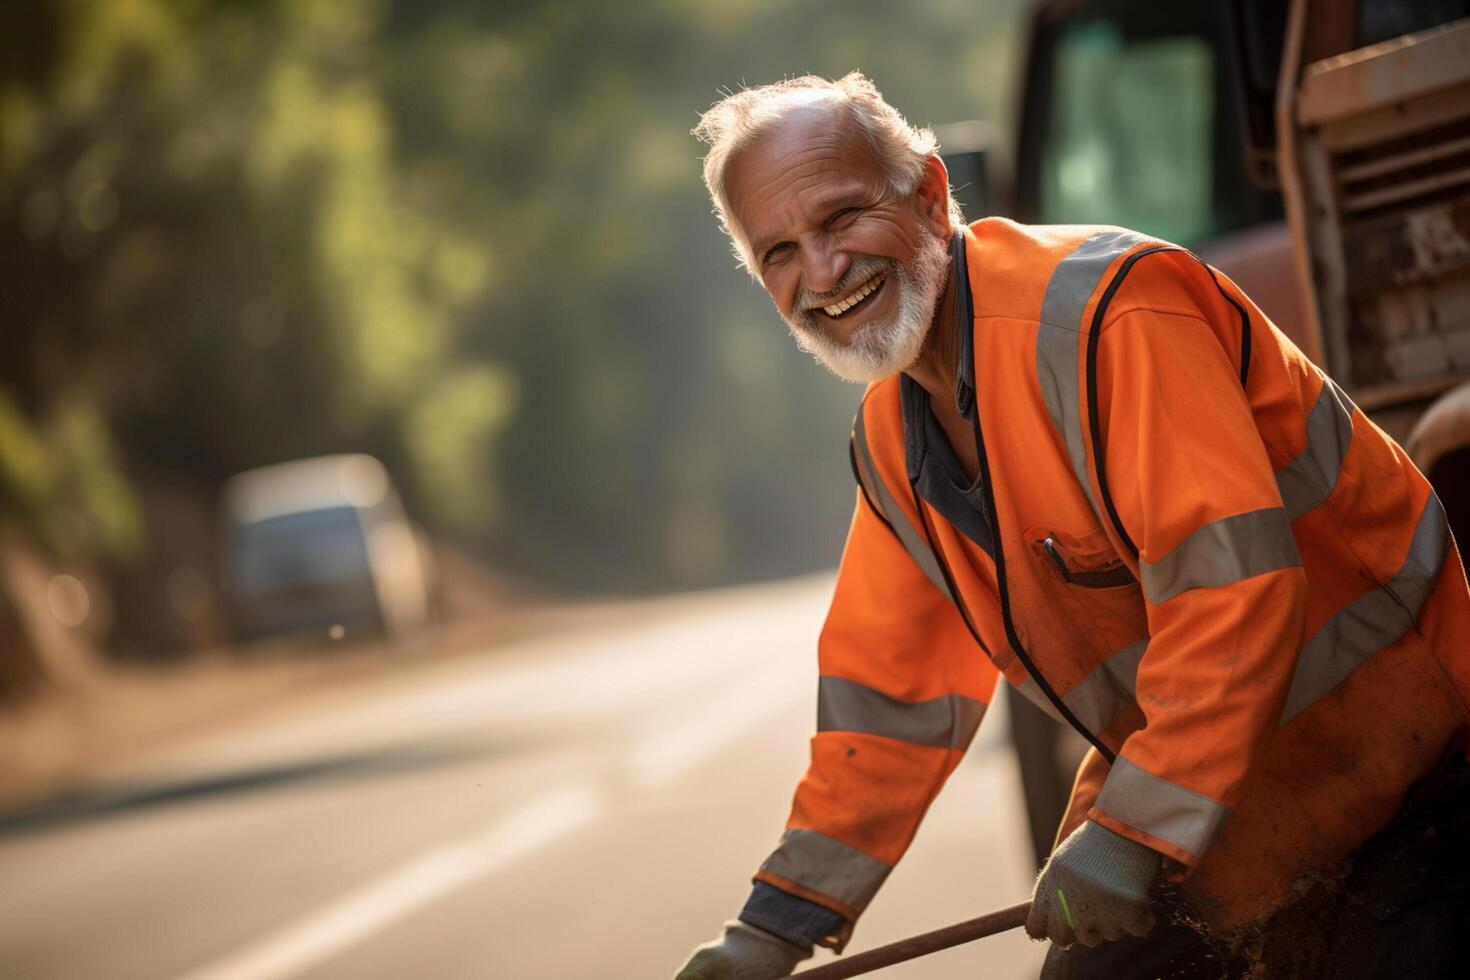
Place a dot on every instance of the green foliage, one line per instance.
(25, 472)
(468, 408)
(59, 477)
(469, 238)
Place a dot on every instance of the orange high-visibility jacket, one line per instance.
(1201, 554)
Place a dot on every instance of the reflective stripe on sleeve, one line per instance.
(947, 722)
(1307, 481)
(1160, 808)
(1100, 697)
(1103, 694)
(1375, 619)
(826, 865)
(917, 547)
(1059, 337)
(1228, 550)
(1031, 691)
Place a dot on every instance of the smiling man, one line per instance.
(1089, 464)
(863, 309)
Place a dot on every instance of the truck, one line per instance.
(1315, 151)
(322, 547)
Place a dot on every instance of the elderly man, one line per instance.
(1087, 462)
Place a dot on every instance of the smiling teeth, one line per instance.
(862, 293)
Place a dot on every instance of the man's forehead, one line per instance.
(816, 150)
(822, 133)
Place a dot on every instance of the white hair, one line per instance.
(737, 119)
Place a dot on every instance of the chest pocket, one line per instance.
(1090, 585)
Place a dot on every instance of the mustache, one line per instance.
(859, 272)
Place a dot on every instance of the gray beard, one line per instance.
(878, 348)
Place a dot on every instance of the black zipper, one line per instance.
(949, 581)
(988, 511)
(1005, 595)
(1092, 340)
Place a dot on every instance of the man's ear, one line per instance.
(932, 197)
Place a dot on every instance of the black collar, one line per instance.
(964, 323)
(914, 400)
(934, 471)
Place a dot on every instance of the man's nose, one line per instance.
(823, 268)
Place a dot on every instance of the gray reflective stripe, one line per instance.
(863, 460)
(947, 722)
(827, 865)
(913, 543)
(1224, 551)
(1308, 480)
(1156, 806)
(1374, 620)
(1031, 691)
(1102, 695)
(1059, 337)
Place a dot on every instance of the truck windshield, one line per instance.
(1131, 120)
(313, 547)
(1130, 134)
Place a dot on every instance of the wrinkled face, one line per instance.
(854, 269)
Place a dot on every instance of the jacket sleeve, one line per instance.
(1192, 486)
(902, 689)
(1092, 772)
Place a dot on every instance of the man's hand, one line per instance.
(1094, 889)
(743, 953)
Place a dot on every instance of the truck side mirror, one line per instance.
(967, 149)
(968, 181)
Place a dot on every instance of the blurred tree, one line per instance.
(667, 432)
(469, 238)
(216, 251)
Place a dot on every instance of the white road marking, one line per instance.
(357, 915)
(664, 756)
(655, 761)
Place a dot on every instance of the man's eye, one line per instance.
(843, 217)
(776, 252)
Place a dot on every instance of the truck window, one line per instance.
(1380, 20)
(307, 548)
(1132, 116)
(1130, 139)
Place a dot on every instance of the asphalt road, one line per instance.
(583, 805)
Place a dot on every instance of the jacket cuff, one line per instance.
(1172, 819)
(794, 919)
(1177, 861)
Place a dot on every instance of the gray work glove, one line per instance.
(1094, 889)
(743, 953)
